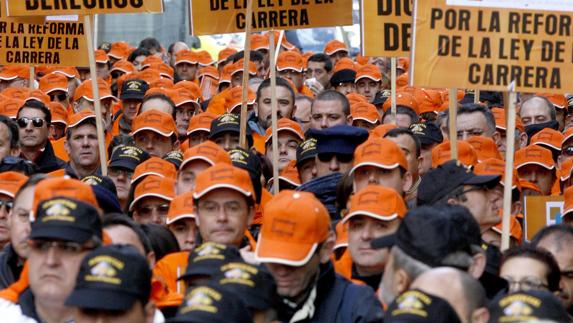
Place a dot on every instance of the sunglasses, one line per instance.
(59, 97)
(567, 151)
(343, 158)
(68, 247)
(147, 210)
(8, 204)
(24, 122)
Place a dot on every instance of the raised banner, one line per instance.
(488, 48)
(558, 5)
(209, 17)
(386, 27)
(81, 7)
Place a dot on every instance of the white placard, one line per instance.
(553, 5)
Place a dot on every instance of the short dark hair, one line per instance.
(163, 242)
(13, 132)
(332, 95)
(280, 82)
(469, 108)
(322, 58)
(549, 104)
(112, 219)
(393, 133)
(561, 231)
(541, 255)
(150, 43)
(138, 52)
(255, 56)
(163, 97)
(402, 109)
(34, 104)
(91, 121)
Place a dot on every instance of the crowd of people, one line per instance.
(373, 220)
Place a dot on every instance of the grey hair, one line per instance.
(411, 266)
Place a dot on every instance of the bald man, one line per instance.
(464, 293)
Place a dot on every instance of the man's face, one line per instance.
(402, 120)
(83, 104)
(307, 170)
(186, 71)
(53, 270)
(185, 231)
(186, 176)
(361, 231)
(364, 124)
(198, 137)
(293, 281)
(346, 88)
(223, 215)
(318, 71)
(564, 256)
(31, 136)
(183, 114)
(538, 175)
(472, 124)
(57, 130)
(7, 203)
(121, 177)
(102, 70)
(60, 97)
(338, 56)
(426, 159)
(228, 140)
(295, 76)
(153, 143)
(484, 204)
(157, 104)
(121, 234)
(130, 108)
(302, 113)
(19, 222)
(534, 111)
(326, 114)
(285, 105)
(5, 149)
(327, 164)
(368, 88)
(82, 146)
(137, 313)
(288, 143)
(371, 175)
(151, 209)
(408, 146)
(524, 273)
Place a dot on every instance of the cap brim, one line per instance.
(374, 165)
(289, 129)
(299, 70)
(57, 89)
(566, 212)
(180, 217)
(365, 119)
(283, 252)
(7, 193)
(198, 195)
(336, 51)
(198, 129)
(366, 77)
(482, 180)
(371, 215)
(75, 124)
(131, 96)
(185, 61)
(139, 198)
(164, 134)
(100, 299)
(123, 164)
(66, 233)
(384, 242)
(534, 163)
(188, 160)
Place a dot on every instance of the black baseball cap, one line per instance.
(133, 89)
(248, 160)
(427, 132)
(214, 304)
(417, 306)
(306, 150)
(206, 259)
(66, 219)
(105, 192)
(342, 76)
(127, 157)
(175, 157)
(341, 139)
(112, 278)
(429, 234)
(228, 122)
(381, 97)
(441, 181)
(530, 306)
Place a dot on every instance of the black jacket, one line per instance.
(47, 161)
(9, 268)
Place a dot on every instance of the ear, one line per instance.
(327, 247)
(516, 207)
(256, 108)
(496, 137)
(250, 217)
(523, 138)
(401, 281)
(149, 311)
(15, 152)
(453, 201)
(176, 144)
(420, 164)
(293, 113)
(349, 120)
(67, 146)
(151, 259)
(407, 182)
(478, 267)
(480, 315)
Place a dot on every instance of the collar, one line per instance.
(26, 302)
(372, 281)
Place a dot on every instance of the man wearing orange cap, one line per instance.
(155, 132)
(82, 145)
(330, 108)
(186, 65)
(336, 50)
(10, 183)
(535, 164)
(14, 76)
(290, 66)
(412, 148)
(152, 197)
(196, 160)
(289, 137)
(172, 51)
(295, 244)
(224, 198)
(34, 120)
(260, 121)
(84, 99)
(181, 221)
(368, 81)
(56, 86)
(9, 138)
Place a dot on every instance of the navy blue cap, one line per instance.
(530, 306)
(341, 139)
(343, 76)
(133, 89)
(306, 150)
(206, 259)
(228, 122)
(427, 132)
(416, 306)
(175, 157)
(127, 157)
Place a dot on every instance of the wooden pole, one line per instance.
(97, 104)
(453, 134)
(510, 144)
(247, 58)
(274, 121)
(476, 96)
(278, 47)
(32, 77)
(393, 65)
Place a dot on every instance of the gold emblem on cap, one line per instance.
(104, 269)
(201, 299)
(518, 308)
(412, 302)
(209, 251)
(133, 85)
(238, 273)
(59, 210)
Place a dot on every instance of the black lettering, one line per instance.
(473, 75)
(240, 20)
(30, 5)
(555, 82)
(391, 36)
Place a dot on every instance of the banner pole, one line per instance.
(246, 60)
(32, 77)
(274, 121)
(509, 152)
(453, 111)
(476, 96)
(393, 67)
(97, 103)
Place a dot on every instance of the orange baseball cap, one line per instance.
(38, 95)
(54, 82)
(119, 50)
(354, 98)
(237, 67)
(186, 56)
(123, 66)
(548, 138)
(78, 118)
(207, 151)
(234, 98)
(568, 205)
(402, 81)
(484, 147)
(341, 235)
(224, 175)
(154, 166)
(101, 57)
(12, 72)
(153, 186)
(383, 129)
(534, 155)
(334, 46)
(184, 96)
(63, 186)
(566, 136)
(515, 230)
(559, 101)
(201, 122)
(10, 183)
(288, 174)
(428, 100)
(379, 152)
(226, 74)
(210, 71)
(150, 60)
(294, 224)
(380, 203)
(259, 41)
(466, 154)
(364, 111)
(161, 83)
(500, 122)
(148, 75)
(368, 71)
(85, 90)
(495, 166)
(165, 71)
(565, 169)
(285, 124)
(20, 93)
(204, 58)
(290, 61)
(527, 185)
(9, 107)
(59, 113)
(181, 207)
(225, 53)
(156, 121)
(69, 71)
(344, 64)
(404, 99)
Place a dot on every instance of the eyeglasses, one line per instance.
(146, 211)
(68, 247)
(528, 283)
(8, 204)
(36, 122)
(59, 97)
(115, 172)
(567, 151)
(211, 208)
(343, 158)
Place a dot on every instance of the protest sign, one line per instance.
(229, 16)
(558, 5)
(80, 7)
(386, 27)
(488, 48)
(539, 212)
